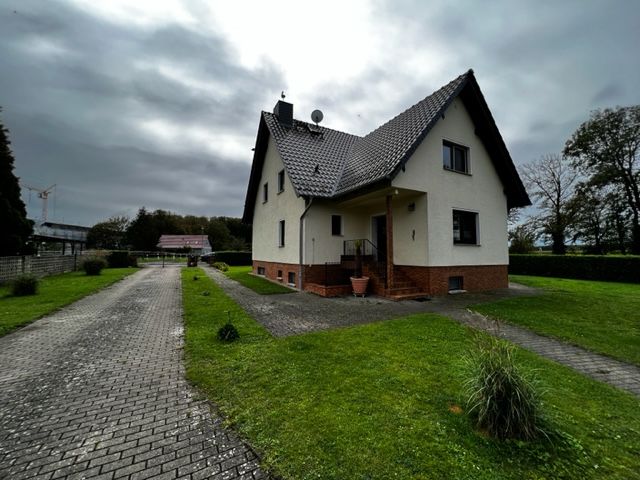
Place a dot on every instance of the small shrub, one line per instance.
(502, 400)
(223, 267)
(93, 266)
(121, 259)
(196, 277)
(206, 293)
(24, 285)
(228, 333)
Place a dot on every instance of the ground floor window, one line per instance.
(280, 275)
(291, 278)
(336, 225)
(281, 233)
(465, 227)
(260, 270)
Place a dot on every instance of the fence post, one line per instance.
(75, 262)
(23, 261)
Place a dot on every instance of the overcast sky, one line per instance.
(125, 103)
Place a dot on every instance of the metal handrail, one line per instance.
(367, 248)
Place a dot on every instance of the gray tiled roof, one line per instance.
(313, 156)
(328, 162)
(380, 152)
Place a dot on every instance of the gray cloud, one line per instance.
(107, 111)
(75, 89)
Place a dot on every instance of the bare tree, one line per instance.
(607, 149)
(551, 182)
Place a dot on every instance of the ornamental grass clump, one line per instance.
(24, 285)
(228, 332)
(502, 400)
(94, 266)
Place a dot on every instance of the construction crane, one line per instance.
(44, 195)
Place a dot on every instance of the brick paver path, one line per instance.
(97, 390)
(291, 314)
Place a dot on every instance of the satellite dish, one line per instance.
(317, 116)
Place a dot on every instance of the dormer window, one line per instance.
(455, 157)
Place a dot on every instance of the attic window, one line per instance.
(455, 157)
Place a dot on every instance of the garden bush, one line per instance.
(121, 259)
(223, 267)
(582, 267)
(502, 400)
(228, 333)
(233, 258)
(93, 266)
(24, 285)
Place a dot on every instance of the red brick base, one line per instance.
(331, 280)
(271, 270)
(475, 278)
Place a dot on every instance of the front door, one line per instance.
(379, 231)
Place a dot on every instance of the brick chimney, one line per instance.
(284, 112)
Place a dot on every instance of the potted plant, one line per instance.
(358, 282)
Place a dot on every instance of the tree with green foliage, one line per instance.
(109, 234)
(551, 181)
(606, 148)
(16, 227)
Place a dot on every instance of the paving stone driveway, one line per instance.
(97, 390)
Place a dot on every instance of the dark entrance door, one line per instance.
(380, 236)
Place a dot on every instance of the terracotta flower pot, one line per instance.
(359, 285)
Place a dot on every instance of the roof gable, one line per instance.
(327, 163)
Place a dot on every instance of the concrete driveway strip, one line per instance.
(97, 390)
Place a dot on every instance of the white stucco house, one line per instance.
(427, 193)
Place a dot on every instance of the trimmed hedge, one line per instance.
(233, 258)
(121, 259)
(582, 267)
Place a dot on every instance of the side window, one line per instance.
(265, 193)
(281, 233)
(281, 181)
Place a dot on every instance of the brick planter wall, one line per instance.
(435, 280)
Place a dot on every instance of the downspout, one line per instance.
(301, 268)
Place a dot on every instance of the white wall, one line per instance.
(319, 245)
(480, 192)
(280, 206)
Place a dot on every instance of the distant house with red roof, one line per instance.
(197, 244)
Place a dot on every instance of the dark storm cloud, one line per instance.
(76, 89)
(542, 66)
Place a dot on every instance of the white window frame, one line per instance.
(453, 144)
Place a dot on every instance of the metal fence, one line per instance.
(40, 266)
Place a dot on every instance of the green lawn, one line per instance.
(54, 292)
(259, 285)
(600, 316)
(373, 402)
